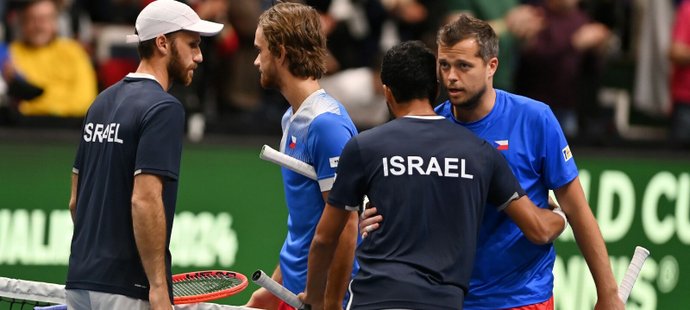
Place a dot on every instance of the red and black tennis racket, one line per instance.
(200, 286)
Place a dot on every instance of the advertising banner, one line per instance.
(231, 216)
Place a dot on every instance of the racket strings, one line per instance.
(204, 284)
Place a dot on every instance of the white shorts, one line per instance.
(91, 300)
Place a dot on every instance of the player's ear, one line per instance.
(162, 44)
(492, 66)
(388, 94)
(386, 91)
(282, 54)
(390, 100)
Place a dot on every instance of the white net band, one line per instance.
(55, 294)
(31, 290)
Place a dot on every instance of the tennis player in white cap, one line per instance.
(125, 175)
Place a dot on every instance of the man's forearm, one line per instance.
(588, 236)
(320, 257)
(149, 234)
(553, 226)
(341, 266)
(149, 223)
(73, 197)
(322, 249)
(591, 244)
(540, 226)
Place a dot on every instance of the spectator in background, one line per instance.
(3, 85)
(352, 49)
(49, 76)
(3, 59)
(412, 19)
(510, 21)
(205, 88)
(358, 32)
(680, 79)
(112, 11)
(70, 21)
(551, 63)
(3, 6)
(243, 105)
(3, 49)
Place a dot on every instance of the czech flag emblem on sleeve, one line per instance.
(502, 145)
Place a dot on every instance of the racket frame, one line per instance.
(211, 295)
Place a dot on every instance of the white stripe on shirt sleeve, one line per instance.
(326, 184)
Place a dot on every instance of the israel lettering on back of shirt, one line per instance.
(415, 165)
(102, 133)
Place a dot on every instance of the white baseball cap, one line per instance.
(166, 16)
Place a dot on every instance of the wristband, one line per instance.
(560, 212)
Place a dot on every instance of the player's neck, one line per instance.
(160, 72)
(296, 90)
(414, 107)
(475, 113)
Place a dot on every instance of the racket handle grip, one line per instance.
(269, 154)
(260, 278)
(631, 274)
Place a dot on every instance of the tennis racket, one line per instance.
(269, 154)
(631, 274)
(199, 286)
(259, 277)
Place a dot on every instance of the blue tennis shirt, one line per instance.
(316, 135)
(528, 135)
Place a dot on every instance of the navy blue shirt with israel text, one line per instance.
(133, 127)
(430, 179)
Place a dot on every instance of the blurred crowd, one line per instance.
(55, 55)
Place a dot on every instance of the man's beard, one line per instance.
(471, 102)
(176, 70)
(269, 79)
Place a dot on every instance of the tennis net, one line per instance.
(18, 294)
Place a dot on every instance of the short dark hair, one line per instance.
(146, 48)
(409, 71)
(466, 27)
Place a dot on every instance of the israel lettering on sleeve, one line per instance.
(445, 167)
(102, 133)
